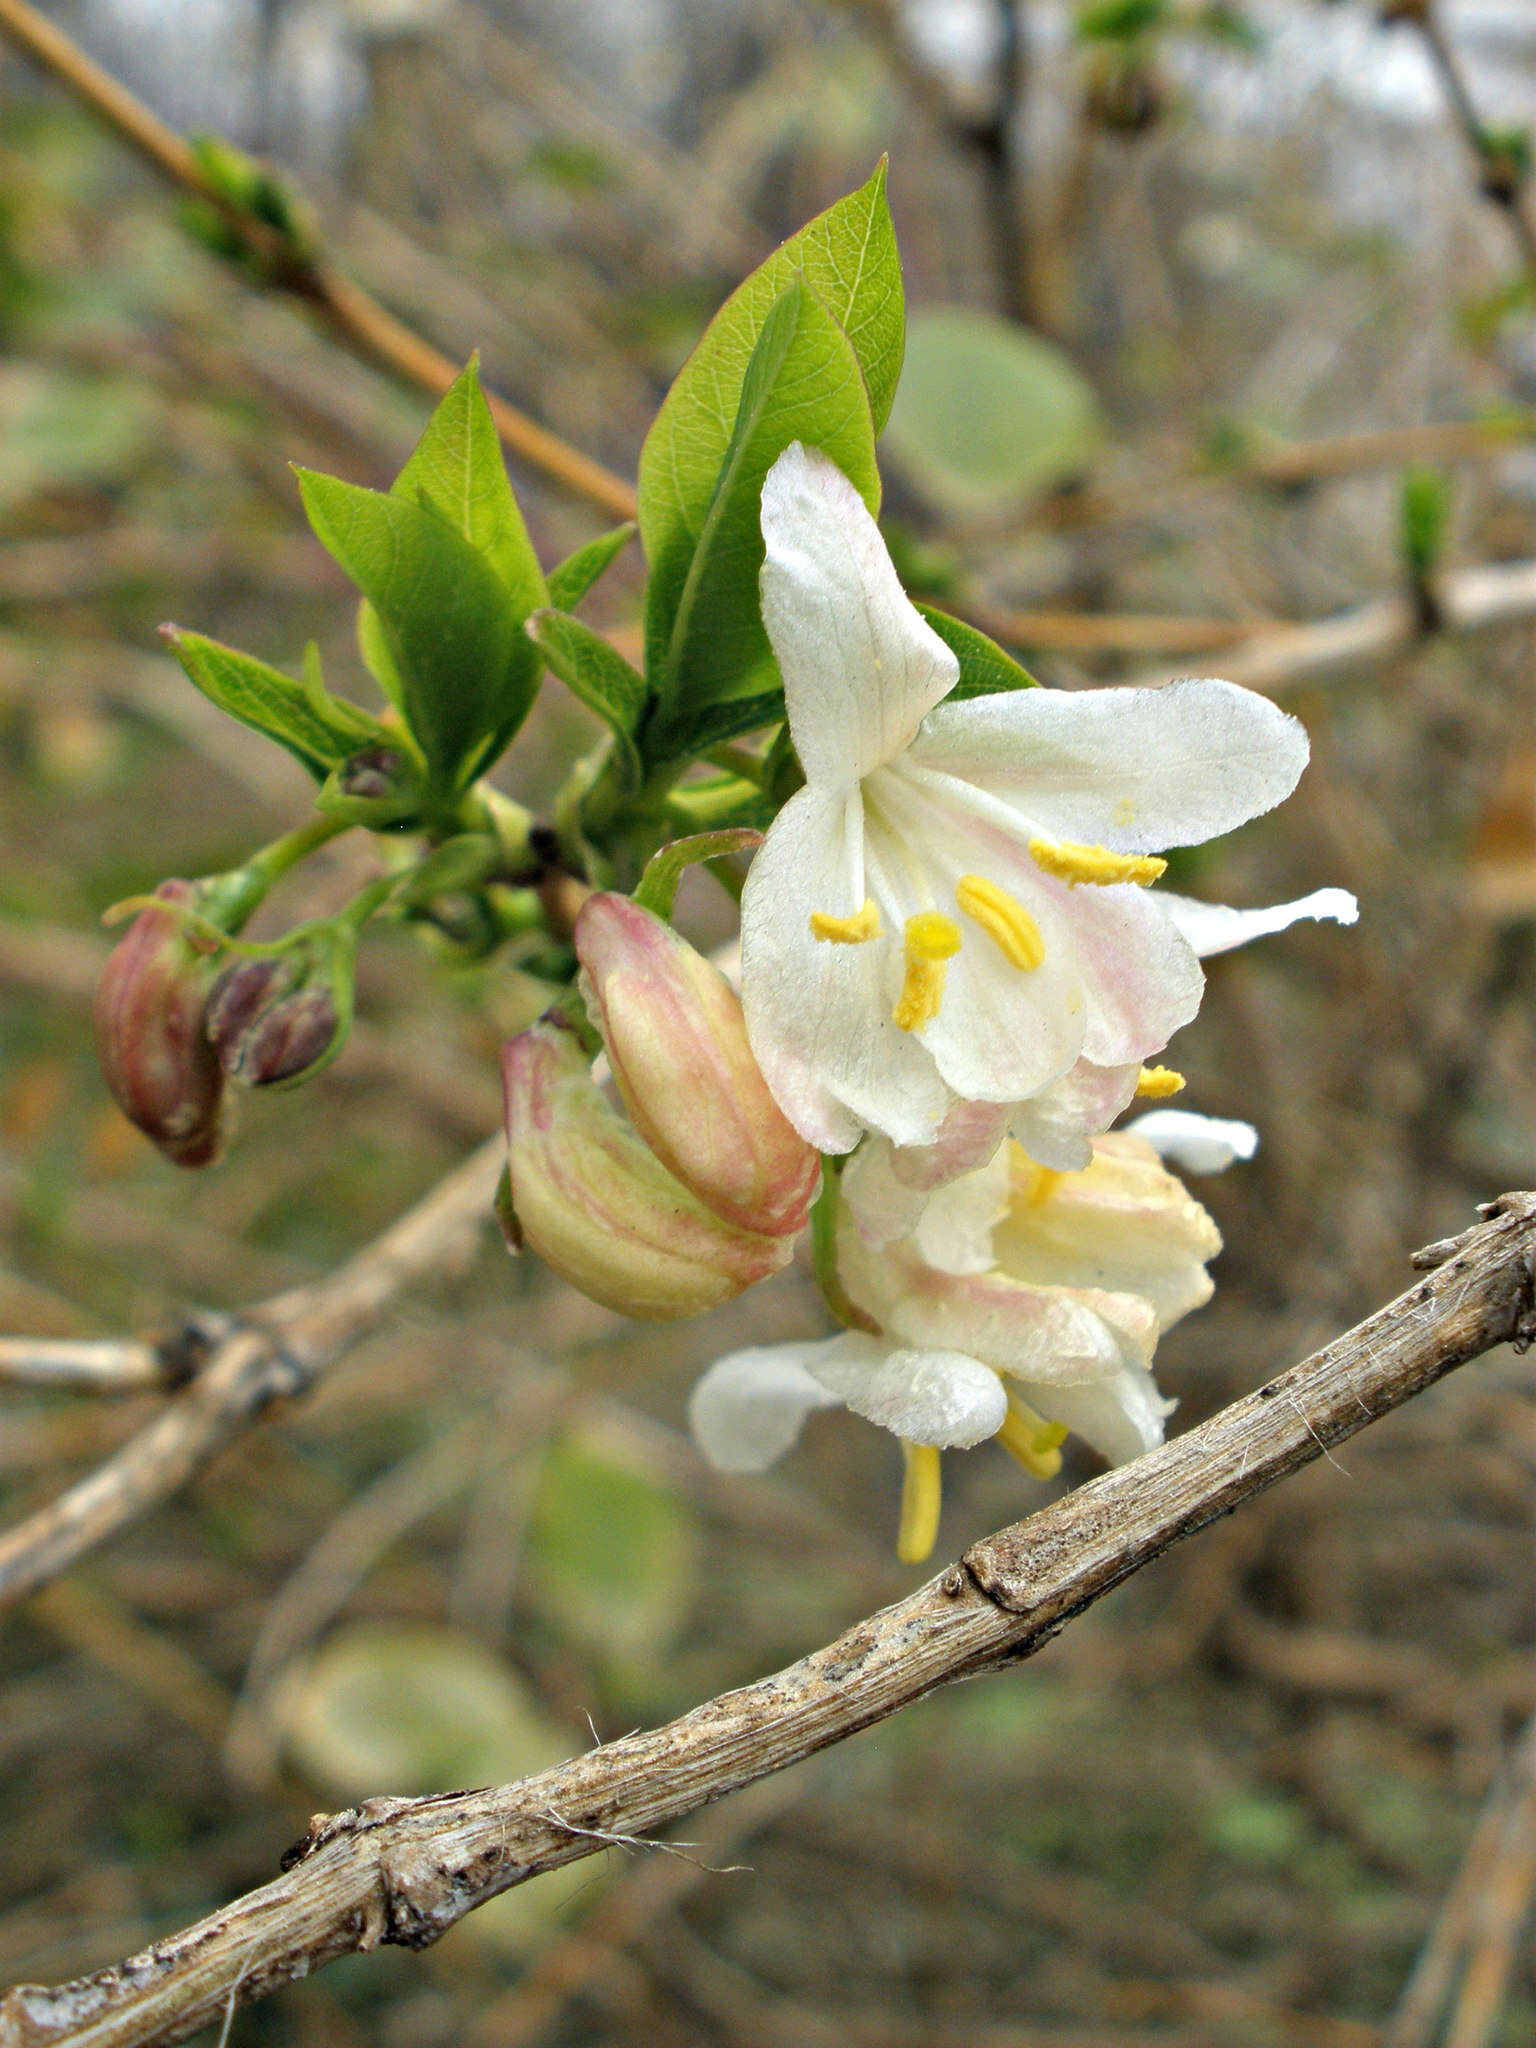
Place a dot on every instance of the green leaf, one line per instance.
(575, 576)
(377, 659)
(318, 729)
(989, 415)
(657, 890)
(717, 723)
(847, 256)
(597, 675)
(466, 671)
(985, 668)
(457, 471)
(704, 628)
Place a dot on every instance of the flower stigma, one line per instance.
(932, 939)
(1156, 1084)
(921, 1492)
(1003, 918)
(1071, 863)
(864, 924)
(1030, 1440)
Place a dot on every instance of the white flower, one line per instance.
(1019, 1303)
(954, 907)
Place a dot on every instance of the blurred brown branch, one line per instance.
(403, 1871)
(270, 1353)
(355, 315)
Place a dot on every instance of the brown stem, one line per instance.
(1503, 183)
(355, 314)
(405, 1870)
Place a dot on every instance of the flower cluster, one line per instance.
(954, 967)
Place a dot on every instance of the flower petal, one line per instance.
(749, 1408)
(819, 1014)
(928, 1397)
(861, 666)
(1217, 928)
(1055, 1126)
(1200, 1144)
(1132, 769)
(1121, 1417)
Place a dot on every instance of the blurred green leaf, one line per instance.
(416, 1709)
(571, 579)
(466, 669)
(847, 257)
(986, 669)
(1119, 21)
(318, 729)
(705, 637)
(598, 675)
(57, 429)
(1424, 512)
(988, 415)
(613, 1556)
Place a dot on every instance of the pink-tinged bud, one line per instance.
(600, 1208)
(150, 1036)
(275, 1018)
(677, 1043)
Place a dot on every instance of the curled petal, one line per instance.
(860, 664)
(1200, 1144)
(750, 1407)
(1132, 769)
(928, 1397)
(1055, 1126)
(1217, 928)
(1121, 1416)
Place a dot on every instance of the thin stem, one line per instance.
(1502, 183)
(354, 313)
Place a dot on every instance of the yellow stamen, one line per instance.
(1041, 1188)
(1156, 1084)
(920, 1497)
(1004, 920)
(847, 931)
(931, 940)
(1071, 863)
(1030, 1440)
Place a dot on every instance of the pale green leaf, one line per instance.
(318, 729)
(986, 669)
(597, 675)
(989, 415)
(571, 579)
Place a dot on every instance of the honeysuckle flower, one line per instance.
(1018, 1303)
(598, 1206)
(955, 906)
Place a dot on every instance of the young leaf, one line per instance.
(704, 628)
(456, 470)
(377, 659)
(847, 256)
(574, 577)
(985, 668)
(318, 729)
(714, 724)
(597, 675)
(657, 889)
(466, 671)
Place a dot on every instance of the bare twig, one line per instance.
(404, 1870)
(356, 316)
(1503, 180)
(1479, 1923)
(86, 1365)
(270, 1354)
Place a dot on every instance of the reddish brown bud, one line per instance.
(150, 1036)
(277, 1016)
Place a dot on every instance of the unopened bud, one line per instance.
(275, 1018)
(677, 1043)
(598, 1206)
(150, 1036)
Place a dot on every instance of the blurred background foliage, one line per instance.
(1162, 258)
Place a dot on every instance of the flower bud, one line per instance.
(150, 1038)
(677, 1043)
(276, 1018)
(599, 1207)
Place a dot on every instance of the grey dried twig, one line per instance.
(405, 1870)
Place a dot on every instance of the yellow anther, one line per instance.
(1004, 920)
(921, 1493)
(847, 931)
(1158, 1083)
(1030, 1440)
(931, 940)
(1069, 862)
